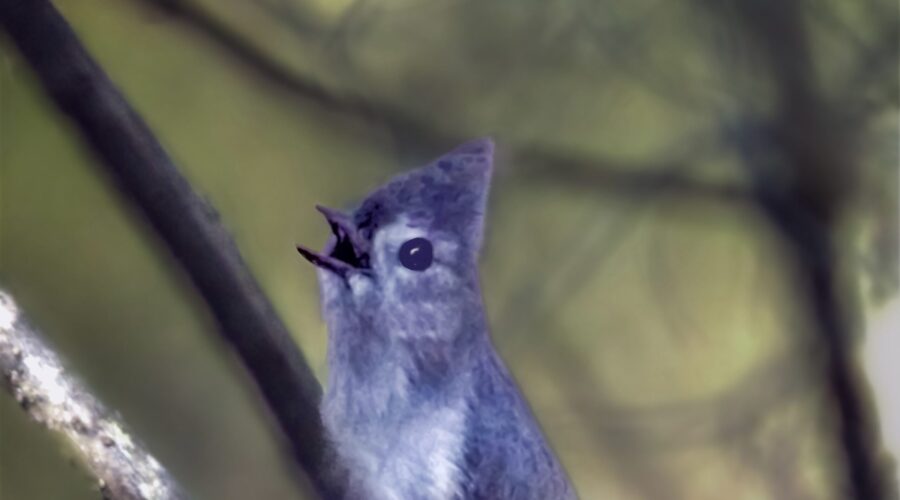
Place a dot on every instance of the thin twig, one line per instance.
(35, 376)
(146, 175)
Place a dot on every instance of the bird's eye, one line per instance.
(416, 254)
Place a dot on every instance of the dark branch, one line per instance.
(804, 171)
(146, 175)
(624, 179)
(34, 375)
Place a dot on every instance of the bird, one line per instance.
(418, 403)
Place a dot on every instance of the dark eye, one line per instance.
(416, 254)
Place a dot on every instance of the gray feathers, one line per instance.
(418, 404)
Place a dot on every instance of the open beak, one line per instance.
(345, 252)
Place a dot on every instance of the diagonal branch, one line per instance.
(546, 163)
(259, 62)
(145, 175)
(35, 376)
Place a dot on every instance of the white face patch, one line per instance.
(430, 319)
(360, 285)
(447, 249)
(388, 240)
(391, 274)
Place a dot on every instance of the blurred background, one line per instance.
(693, 224)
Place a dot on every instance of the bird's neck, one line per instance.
(384, 362)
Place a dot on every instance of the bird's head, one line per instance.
(409, 252)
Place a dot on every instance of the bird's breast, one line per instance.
(416, 453)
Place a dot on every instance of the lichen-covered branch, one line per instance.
(35, 376)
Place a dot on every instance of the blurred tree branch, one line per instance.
(542, 162)
(34, 375)
(735, 413)
(260, 63)
(189, 227)
(804, 170)
(626, 179)
(877, 64)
